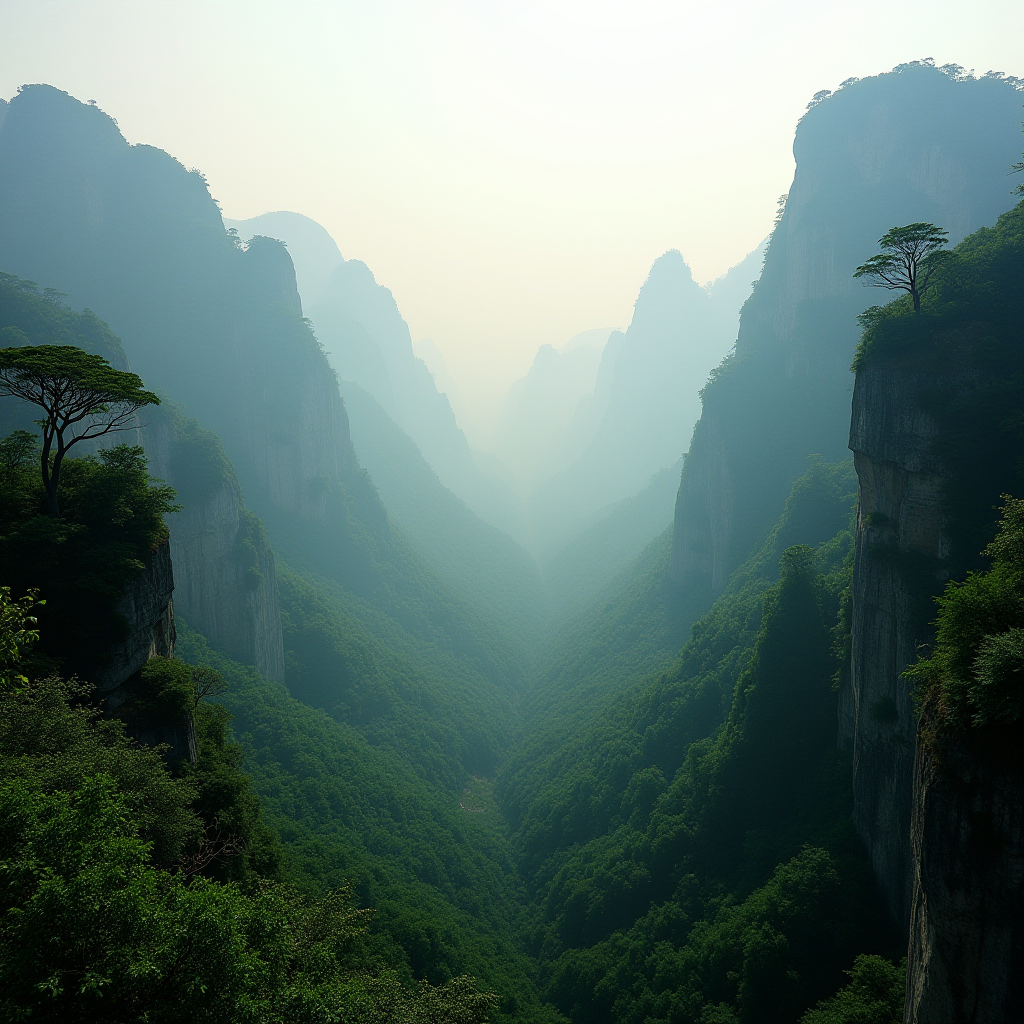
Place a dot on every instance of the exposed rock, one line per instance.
(907, 146)
(148, 612)
(225, 575)
(966, 960)
(899, 537)
(147, 609)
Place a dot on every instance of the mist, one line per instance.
(511, 513)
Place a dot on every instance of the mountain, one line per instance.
(652, 382)
(390, 674)
(698, 845)
(916, 144)
(366, 340)
(937, 434)
(531, 435)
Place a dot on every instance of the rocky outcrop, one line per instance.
(907, 146)
(148, 613)
(900, 549)
(130, 233)
(147, 610)
(966, 958)
(225, 574)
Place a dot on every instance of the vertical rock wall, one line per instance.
(912, 145)
(966, 957)
(148, 612)
(226, 579)
(900, 546)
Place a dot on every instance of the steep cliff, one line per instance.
(915, 144)
(359, 324)
(148, 613)
(967, 921)
(130, 233)
(936, 435)
(225, 573)
(226, 581)
(902, 548)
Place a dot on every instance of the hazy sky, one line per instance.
(509, 169)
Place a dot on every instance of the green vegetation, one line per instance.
(974, 676)
(968, 333)
(104, 916)
(688, 836)
(135, 890)
(82, 395)
(908, 260)
(112, 519)
(441, 877)
(873, 996)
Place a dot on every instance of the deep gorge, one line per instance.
(702, 791)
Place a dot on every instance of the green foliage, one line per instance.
(874, 995)
(688, 836)
(51, 737)
(909, 257)
(166, 689)
(91, 931)
(963, 353)
(17, 635)
(417, 699)
(113, 517)
(41, 317)
(105, 916)
(974, 676)
(601, 712)
(225, 799)
(441, 877)
(82, 397)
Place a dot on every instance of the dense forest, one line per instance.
(292, 728)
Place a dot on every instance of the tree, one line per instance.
(907, 260)
(207, 683)
(82, 395)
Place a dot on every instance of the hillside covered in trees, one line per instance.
(291, 730)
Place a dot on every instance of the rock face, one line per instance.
(147, 609)
(913, 145)
(900, 538)
(130, 233)
(225, 575)
(368, 342)
(966, 959)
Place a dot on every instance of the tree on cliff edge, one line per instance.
(907, 260)
(82, 395)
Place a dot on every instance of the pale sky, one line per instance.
(510, 169)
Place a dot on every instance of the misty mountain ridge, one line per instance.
(645, 402)
(367, 341)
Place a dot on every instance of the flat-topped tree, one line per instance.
(907, 260)
(82, 395)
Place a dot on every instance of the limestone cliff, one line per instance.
(937, 435)
(129, 232)
(911, 145)
(147, 610)
(225, 575)
(900, 539)
(966, 958)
